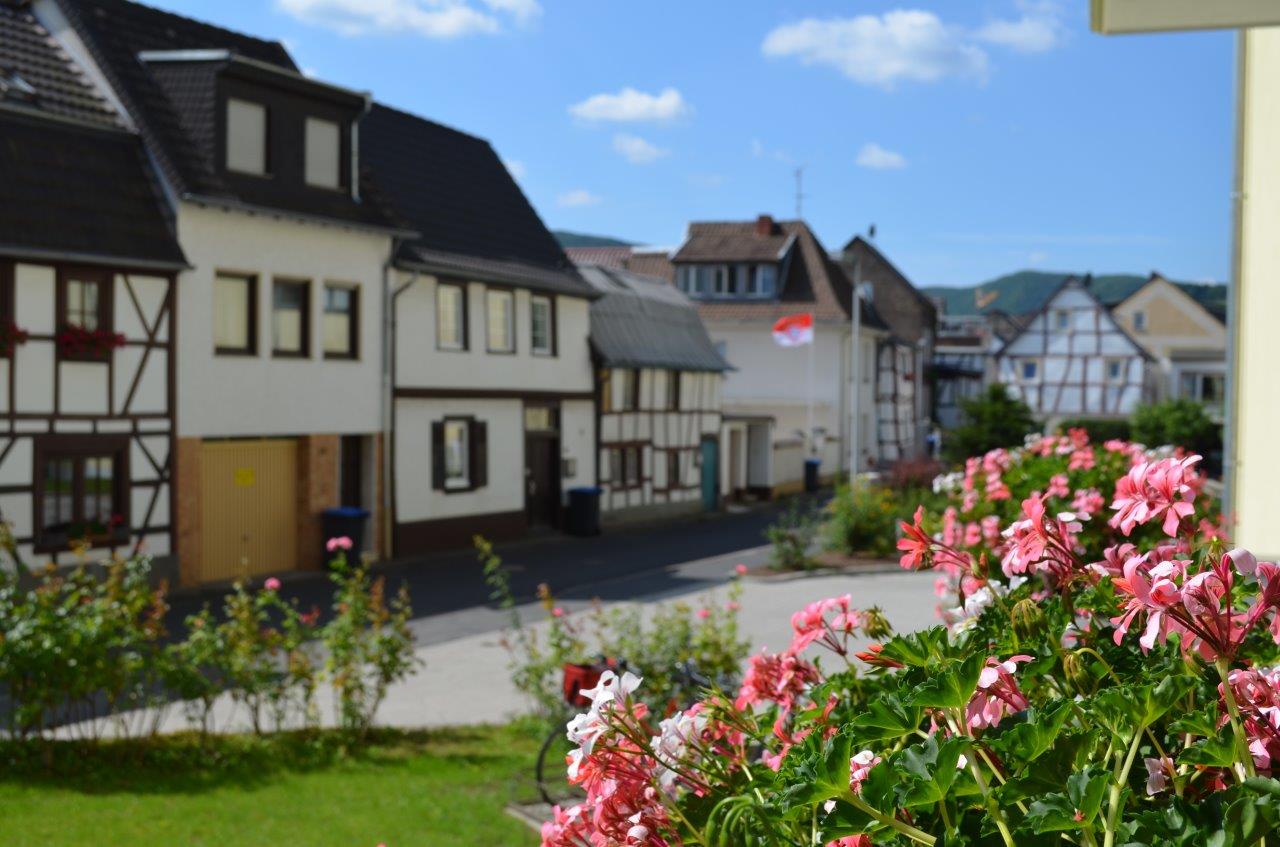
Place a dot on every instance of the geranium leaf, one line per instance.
(952, 686)
(1028, 740)
(1217, 751)
(885, 718)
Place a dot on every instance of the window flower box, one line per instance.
(94, 345)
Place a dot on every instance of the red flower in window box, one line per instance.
(11, 335)
(76, 341)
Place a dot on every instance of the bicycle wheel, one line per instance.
(540, 768)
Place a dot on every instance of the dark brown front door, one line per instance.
(542, 479)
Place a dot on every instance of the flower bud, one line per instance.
(1073, 667)
(875, 624)
(1027, 618)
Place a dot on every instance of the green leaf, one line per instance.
(926, 771)
(917, 649)
(1029, 740)
(885, 718)
(1217, 751)
(1052, 813)
(1086, 789)
(950, 687)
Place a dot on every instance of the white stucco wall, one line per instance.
(416, 500)
(420, 363)
(1255, 497)
(220, 395)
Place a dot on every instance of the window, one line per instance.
(499, 321)
(1061, 319)
(673, 390)
(290, 318)
(340, 322)
(540, 419)
(673, 469)
(234, 314)
(606, 390)
(632, 455)
(1115, 370)
(84, 303)
(1139, 321)
(451, 317)
(627, 386)
(764, 280)
(81, 492)
(722, 280)
(246, 137)
(1028, 370)
(459, 455)
(542, 326)
(323, 152)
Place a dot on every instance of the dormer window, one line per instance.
(246, 137)
(728, 281)
(322, 150)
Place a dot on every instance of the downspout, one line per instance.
(389, 297)
(1230, 408)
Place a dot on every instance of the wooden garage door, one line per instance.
(249, 507)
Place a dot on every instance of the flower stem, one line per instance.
(917, 835)
(1245, 759)
(1121, 778)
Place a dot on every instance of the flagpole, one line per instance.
(809, 437)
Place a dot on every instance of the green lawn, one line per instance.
(403, 789)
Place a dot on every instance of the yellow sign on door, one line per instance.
(244, 477)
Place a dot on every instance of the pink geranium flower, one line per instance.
(998, 693)
(342, 542)
(271, 584)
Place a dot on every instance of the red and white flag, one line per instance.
(794, 330)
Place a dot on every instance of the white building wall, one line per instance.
(420, 362)
(224, 396)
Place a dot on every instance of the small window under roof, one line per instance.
(14, 87)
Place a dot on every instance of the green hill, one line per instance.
(578, 239)
(1025, 291)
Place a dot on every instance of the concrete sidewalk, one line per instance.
(466, 679)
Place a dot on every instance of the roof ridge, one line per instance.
(275, 42)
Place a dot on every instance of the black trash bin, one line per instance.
(348, 521)
(584, 511)
(811, 467)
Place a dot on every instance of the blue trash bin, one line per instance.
(811, 467)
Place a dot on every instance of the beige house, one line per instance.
(1187, 341)
(1253, 404)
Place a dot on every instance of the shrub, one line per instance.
(678, 648)
(1178, 423)
(990, 420)
(792, 535)
(1099, 429)
(1103, 679)
(864, 520)
(911, 474)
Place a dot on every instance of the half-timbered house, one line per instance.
(493, 407)
(88, 259)
(658, 379)
(1072, 359)
(278, 388)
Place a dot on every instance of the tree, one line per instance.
(1180, 423)
(993, 419)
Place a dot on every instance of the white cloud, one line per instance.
(577, 197)
(874, 156)
(1037, 257)
(759, 151)
(881, 50)
(706, 180)
(440, 19)
(1038, 29)
(514, 167)
(631, 105)
(636, 150)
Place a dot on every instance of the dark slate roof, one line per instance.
(643, 322)
(472, 218)
(71, 191)
(809, 279)
(762, 240)
(36, 74)
(172, 106)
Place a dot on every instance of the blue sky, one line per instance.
(979, 137)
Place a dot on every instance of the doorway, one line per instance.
(542, 464)
(710, 474)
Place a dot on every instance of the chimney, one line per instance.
(764, 225)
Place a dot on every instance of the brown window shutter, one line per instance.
(479, 454)
(437, 455)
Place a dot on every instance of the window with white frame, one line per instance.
(322, 149)
(451, 317)
(246, 138)
(1115, 370)
(541, 326)
(500, 321)
(1139, 321)
(457, 454)
(340, 309)
(766, 280)
(1061, 319)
